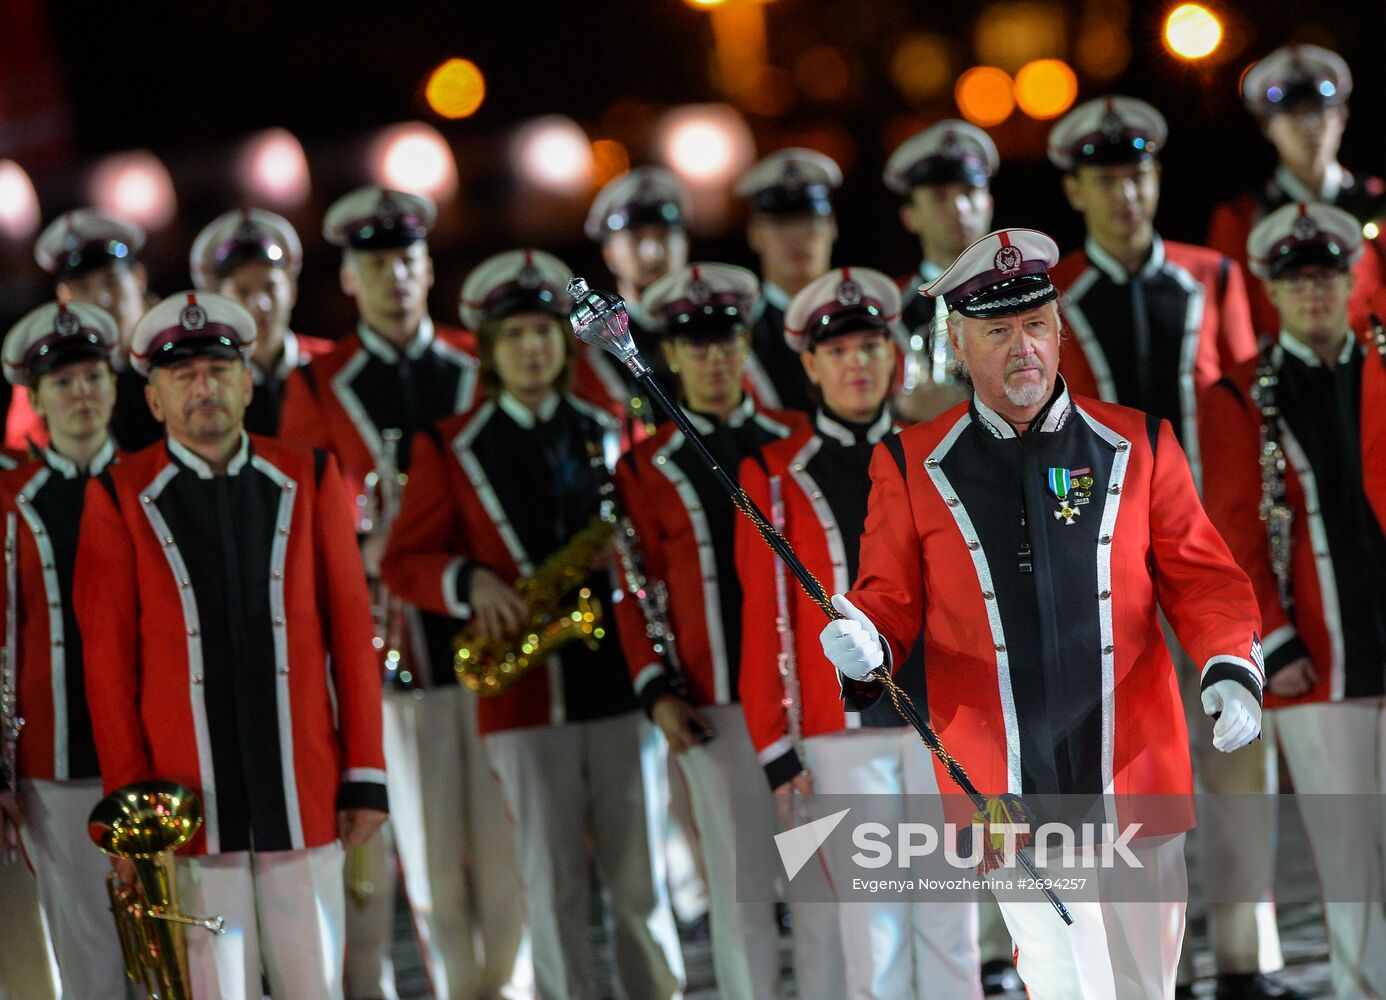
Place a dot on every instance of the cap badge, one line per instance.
(66, 323)
(193, 317)
(1008, 260)
(791, 176)
(1112, 124)
(529, 277)
(698, 292)
(1304, 228)
(951, 147)
(848, 293)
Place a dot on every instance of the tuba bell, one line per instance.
(145, 823)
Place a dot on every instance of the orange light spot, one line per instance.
(985, 95)
(456, 89)
(1045, 88)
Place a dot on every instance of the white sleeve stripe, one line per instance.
(1277, 639)
(648, 674)
(775, 750)
(1255, 671)
(457, 607)
(370, 775)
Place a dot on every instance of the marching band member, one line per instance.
(640, 219)
(94, 258)
(683, 522)
(1298, 95)
(507, 491)
(61, 354)
(254, 257)
(1317, 560)
(944, 173)
(1155, 322)
(226, 629)
(365, 403)
(844, 327)
(791, 229)
(996, 562)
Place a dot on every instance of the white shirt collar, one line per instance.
(829, 425)
(743, 412)
(199, 465)
(387, 352)
(1113, 268)
(1305, 353)
(1054, 418)
(523, 415)
(68, 468)
(1299, 191)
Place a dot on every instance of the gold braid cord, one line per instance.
(897, 693)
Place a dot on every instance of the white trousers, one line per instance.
(562, 785)
(1339, 749)
(369, 971)
(283, 912)
(735, 816)
(1243, 934)
(28, 969)
(1115, 949)
(71, 876)
(895, 950)
(455, 848)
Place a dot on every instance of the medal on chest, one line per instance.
(1072, 488)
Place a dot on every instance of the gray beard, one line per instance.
(1030, 394)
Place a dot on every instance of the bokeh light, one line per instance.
(19, 205)
(985, 95)
(922, 66)
(1045, 88)
(706, 143)
(414, 157)
(1016, 32)
(554, 152)
(822, 73)
(1102, 51)
(610, 160)
(1192, 31)
(274, 169)
(455, 89)
(136, 185)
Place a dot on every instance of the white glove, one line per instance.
(851, 644)
(1240, 722)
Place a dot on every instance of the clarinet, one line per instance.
(651, 596)
(10, 722)
(785, 660)
(1273, 509)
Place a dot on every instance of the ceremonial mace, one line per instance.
(599, 318)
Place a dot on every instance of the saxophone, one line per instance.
(490, 667)
(10, 722)
(1274, 510)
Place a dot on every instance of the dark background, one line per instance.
(190, 80)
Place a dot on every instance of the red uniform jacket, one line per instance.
(262, 416)
(42, 506)
(1374, 431)
(482, 492)
(1047, 666)
(685, 523)
(343, 400)
(1232, 222)
(1155, 340)
(228, 641)
(814, 487)
(1327, 534)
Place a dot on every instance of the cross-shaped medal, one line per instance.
(1067, 513)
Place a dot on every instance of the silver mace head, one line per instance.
(599, 318)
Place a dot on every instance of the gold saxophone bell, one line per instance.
(145, 823)
(489, 667)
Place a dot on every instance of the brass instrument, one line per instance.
(145, 823)
(1273, 508)
(10, 722)
(489, 667)
(651, 596)
(384, 489)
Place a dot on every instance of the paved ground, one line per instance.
(1301, 928)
